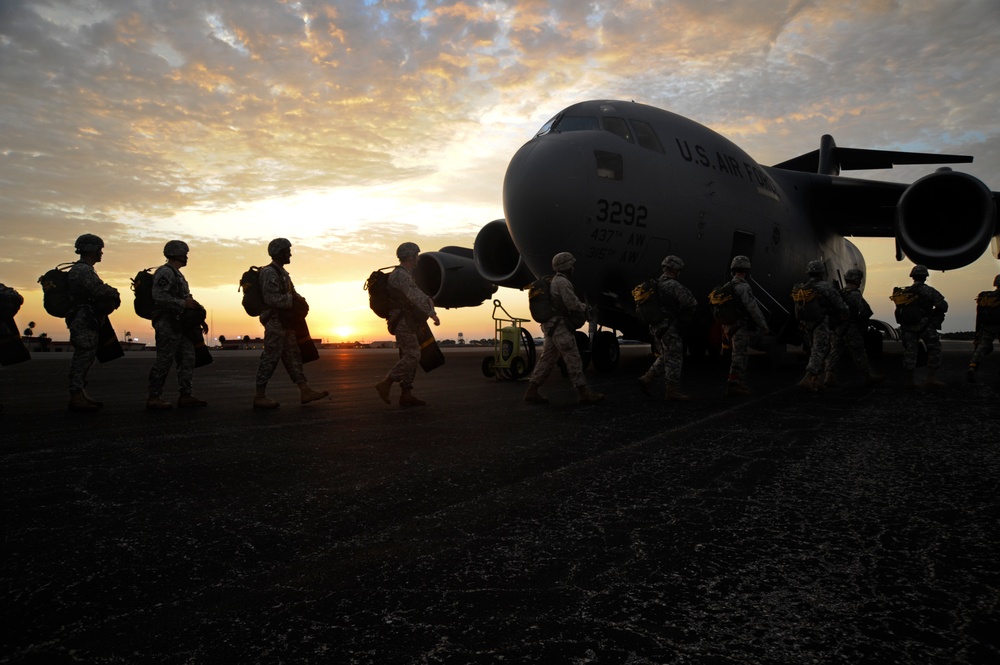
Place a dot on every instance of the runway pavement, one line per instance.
(859, 525)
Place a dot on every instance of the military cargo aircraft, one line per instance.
(621, 185)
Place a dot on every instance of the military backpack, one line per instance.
(540, 299)
(988, 308)
(253, 296)
(56, 297)
(808, 303)
(379, 298)
(649, 305)
(142, 287)
(909, 310)
(725, 305)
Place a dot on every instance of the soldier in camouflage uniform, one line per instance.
(987, 329)
(560, 341)
(679, 305)
(750, 325)
(10, 303)
(410, 308)
(933, 306)
(281, 305)
(817, 332)
(849, 334)
(171, 296)
(85, 318)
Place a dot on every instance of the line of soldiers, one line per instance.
(839, 327)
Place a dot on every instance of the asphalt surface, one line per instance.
(859, 525)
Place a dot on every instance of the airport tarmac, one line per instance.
(859, 525)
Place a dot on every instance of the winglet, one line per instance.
(831, 160)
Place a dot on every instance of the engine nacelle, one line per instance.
(449, 276)
(497, 259)
(945, 220)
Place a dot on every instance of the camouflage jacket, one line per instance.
(278, 291)
(170, 290)
(833, 303)
(406, 295)
(677, 299)
(748, 302)
(857, 305)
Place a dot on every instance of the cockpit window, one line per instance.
(547, 127)
(576, 123)
(645, 135)
(619, 127)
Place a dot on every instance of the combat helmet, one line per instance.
(175, 248)
(407, 250)
(919, 271)
(672, 263)
(854, 276)
(88, 243)
(740, 263)
(563, 261)
(815, 268)
(277, 246)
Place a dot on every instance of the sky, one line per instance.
(350, 126)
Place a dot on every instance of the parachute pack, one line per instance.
(142, 287)
(988, 308)
(808, 303)
(725, 306)
(56, 297)
(908, 309)
(648, 302)
(377, 286)
(253, 296)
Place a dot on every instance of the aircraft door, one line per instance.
(743, 244)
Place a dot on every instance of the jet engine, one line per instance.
(497, 259)
(945, 220)
(449, 276)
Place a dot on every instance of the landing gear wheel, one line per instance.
(583, 346)
(606, 351)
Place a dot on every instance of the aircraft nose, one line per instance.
(544, 199)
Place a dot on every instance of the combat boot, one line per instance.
(155, 403)
(931, 381)
(646, 384)
(185, 401)
(91, 400)
(407, 399)
(970, 374)
(383, 387)
(307, 394)
(830, 380)
(736, 389)
(872, 378)
(262, 401)
(674, 394)
(808, 382)
(532, 396)
(588, 396)
(79, 402)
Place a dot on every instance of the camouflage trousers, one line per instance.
(739, 335)
(984, 343)
(670, 352)
(279, 344)
(818, 337)
(405, 369)
(83, 335)
(560, 342)
(848, 336)
(171, 346)
(911, 340)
